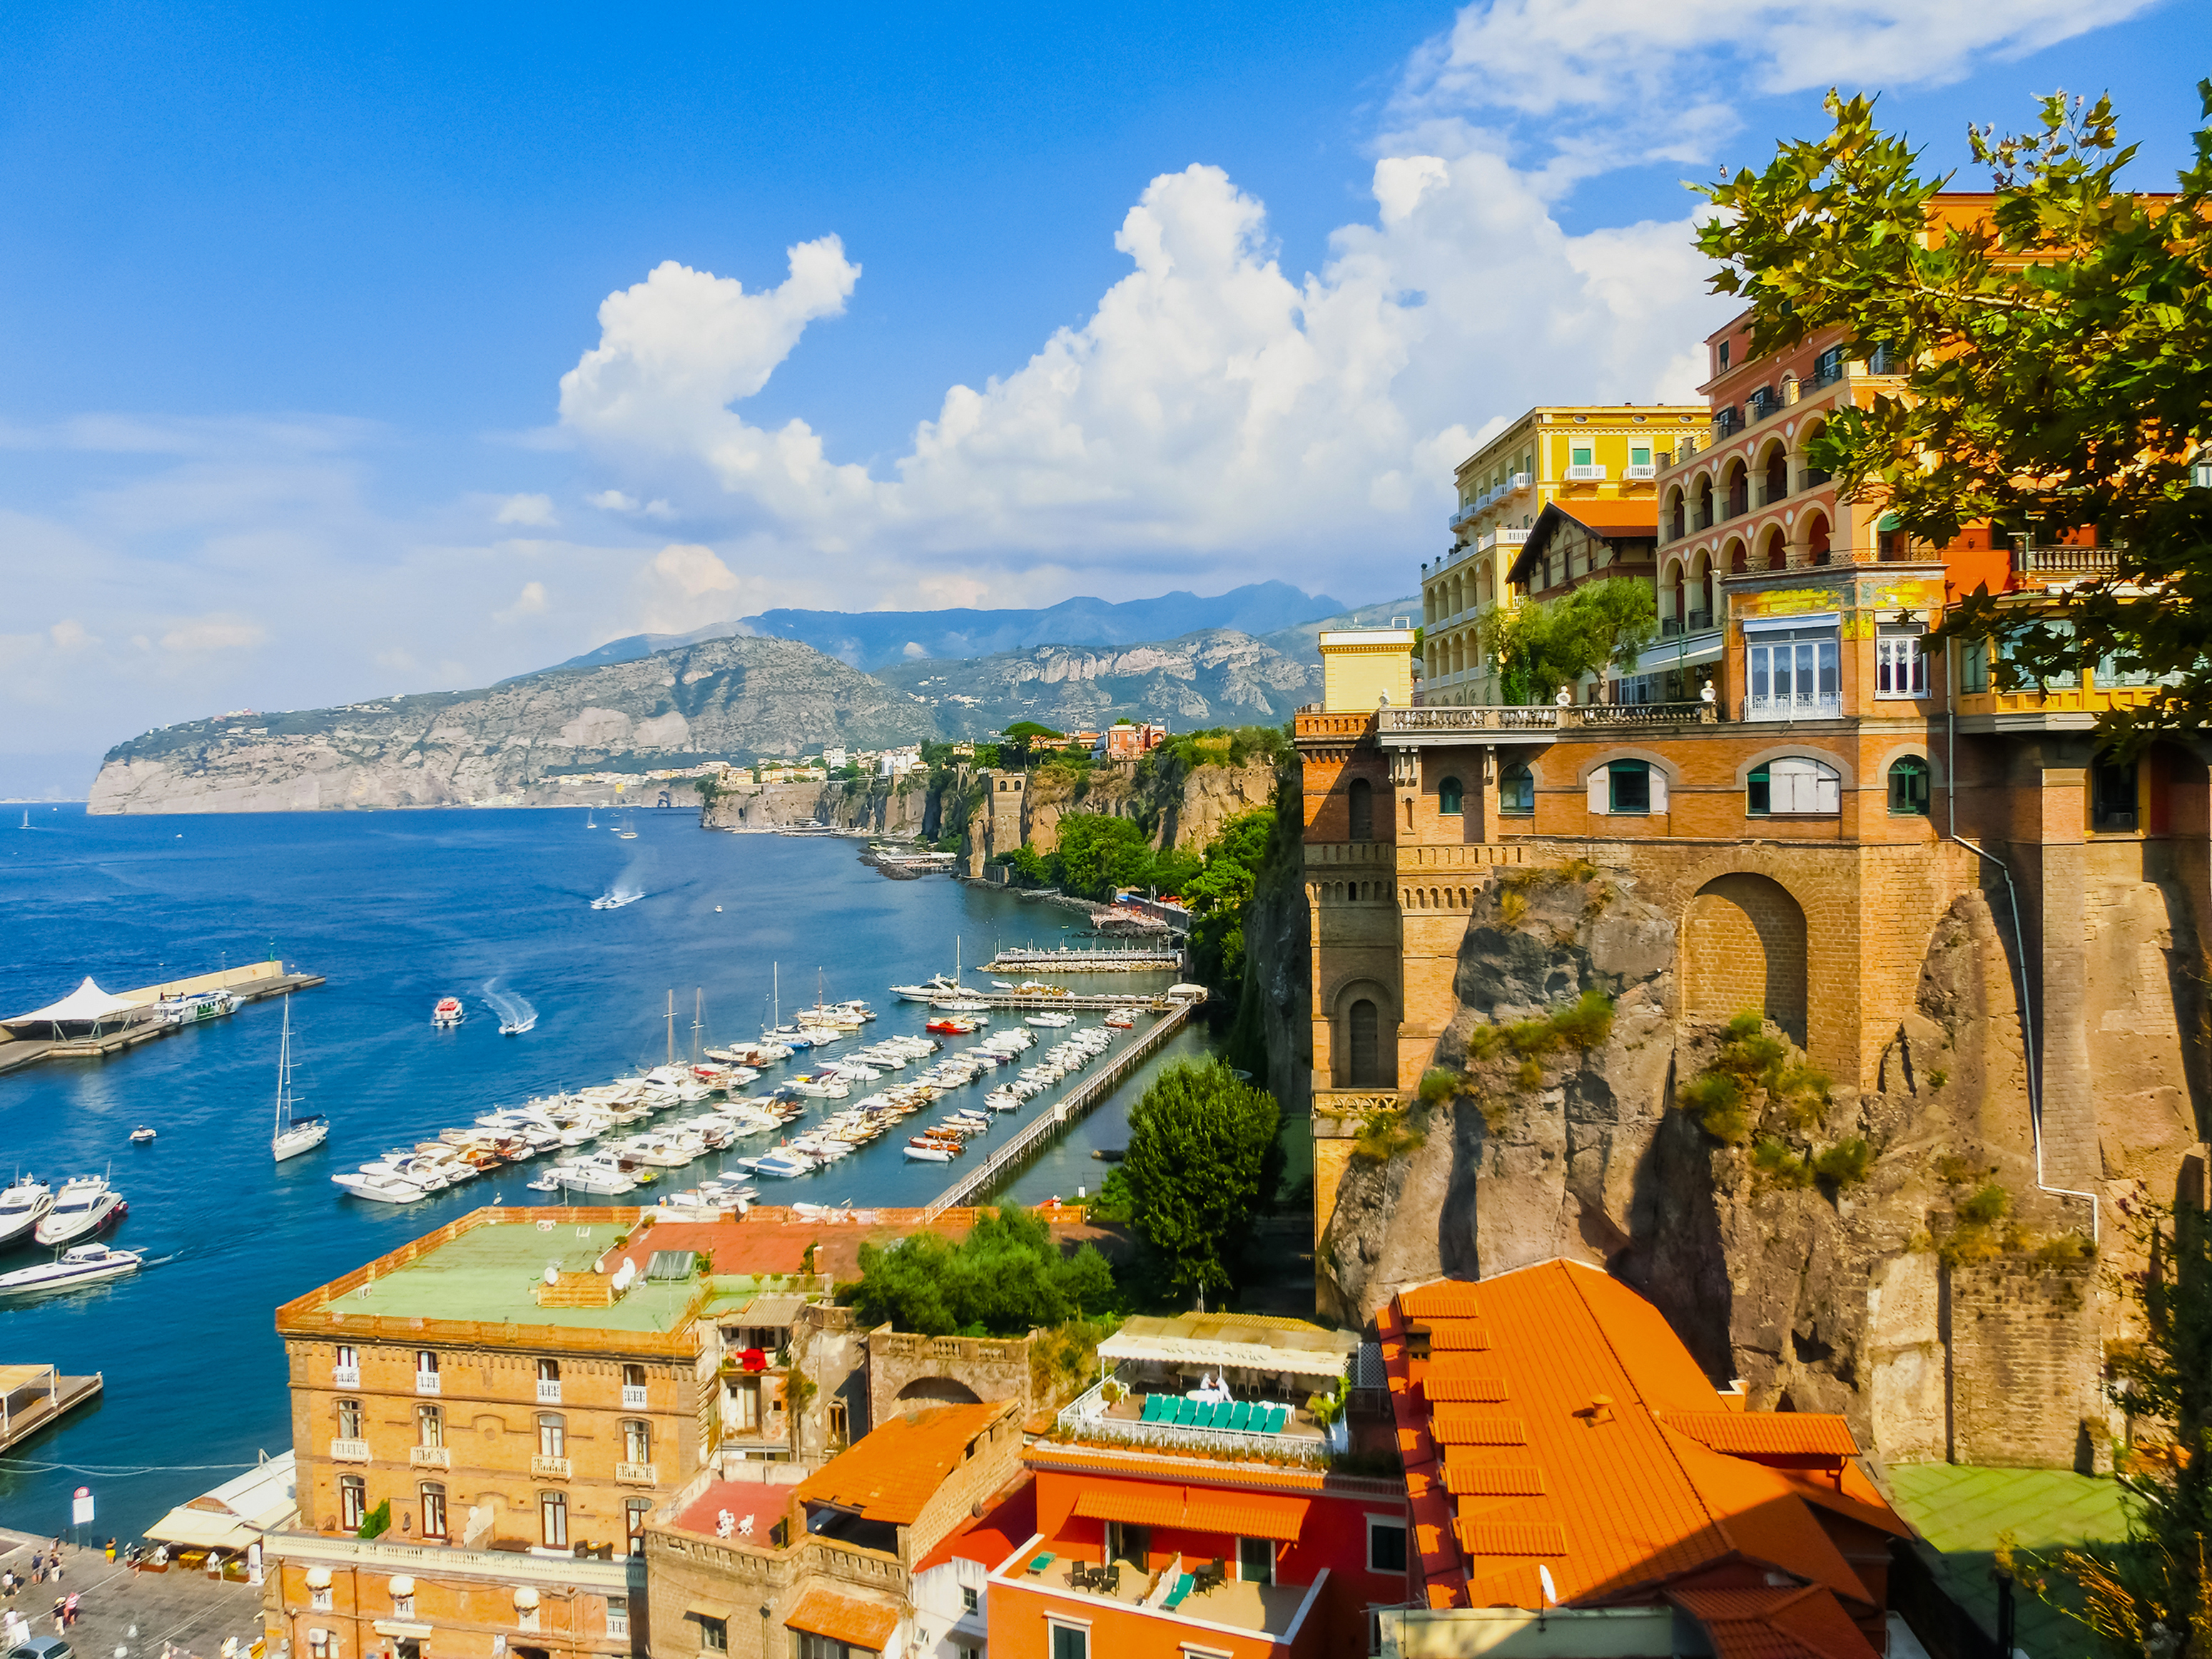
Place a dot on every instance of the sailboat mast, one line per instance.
(698, 1007)
(283, 1063)
(671, 1025)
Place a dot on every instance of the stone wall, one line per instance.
(2025, 1359)
(906, 1372)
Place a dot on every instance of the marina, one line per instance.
(438, 903)
(154, 1011)
(1097, 961)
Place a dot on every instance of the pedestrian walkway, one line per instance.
(142, 1613)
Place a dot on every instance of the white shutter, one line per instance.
(1658, 790)
(1830, 786)
(1599, 781)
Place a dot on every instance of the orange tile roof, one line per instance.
(894, 1470)
(1135, 1506)
(1246, 1515)
(1598, 1482)
(1009, 1520)
(1195, 1472)
(1448, 1299)
(868, 1624)
(1776, 1623)
(1458, 1335)
(1774, 1434)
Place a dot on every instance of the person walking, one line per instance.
(69, 1609)
(61, 1614)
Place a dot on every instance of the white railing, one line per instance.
(1543, 717)
(426, 1383)
(1086, 1415)
(1505, 535)
(1585, 474)
(548, 1391)
(621, 1574)
(1794, 708)
(636, 1474)
(632, 1397)
(349, 1451)
(430, 1457)
(1644, 472)
(553, 1467)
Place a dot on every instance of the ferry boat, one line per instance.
(86, 1264)
(24, 1203)
(448, 1013)
(81, 1208)
(192, 1010)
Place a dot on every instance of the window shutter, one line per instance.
(1830, 786)
(1598, 782)
(1658, 790)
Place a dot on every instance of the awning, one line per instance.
(1684, 651)
(236, 1513)
(203, 1530)
(1243, 1515)
(1211, 1341)
(1769, 624)
(866, 1625)
(768, 1312)
(720, 1612)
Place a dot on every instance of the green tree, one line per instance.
(2056, 356)
(1005, 1279)
(1540, 645)
(1097, 854)
(1219, 893)
(1203, 1159)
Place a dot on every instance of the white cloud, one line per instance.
(614, 500)
(531, 512)
(530, 602)
(683, 586)
(70, 634)
(196, 635)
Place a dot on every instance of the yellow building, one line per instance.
(1568, 453)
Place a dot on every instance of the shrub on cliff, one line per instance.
(1217, 893)
(1205, 1157)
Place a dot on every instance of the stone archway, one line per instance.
(1743, 947)
(938, 1391)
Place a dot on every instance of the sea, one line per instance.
(396, 910)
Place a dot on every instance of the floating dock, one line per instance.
(251, 983)
(985, 1178)
(1153, 960)
(33, 1396)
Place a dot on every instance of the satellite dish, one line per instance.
(1551, 1590)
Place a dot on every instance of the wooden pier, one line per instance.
(251, 983)
(33, 1396)
(986, 1177)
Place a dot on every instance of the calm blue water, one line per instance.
(396, 908)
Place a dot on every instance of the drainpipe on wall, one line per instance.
(2012, 895)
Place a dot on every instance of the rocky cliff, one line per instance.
(1875, 1283)
(730, 698)
(1177, 806)
(908, 806)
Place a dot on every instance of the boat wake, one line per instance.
(516, 1016)
(614, 897)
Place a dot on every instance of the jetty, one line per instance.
(33, 1396)
(134, 1023)
(1135, 960)
(1040, 1131)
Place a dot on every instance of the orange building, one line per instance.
(1578, 1486)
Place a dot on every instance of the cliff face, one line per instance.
(907, 806)
(726, 698)
(1828, 1295)
(1184, 809)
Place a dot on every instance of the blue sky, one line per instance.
(288, 294)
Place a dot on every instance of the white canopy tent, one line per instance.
(1279, 1347)
(237, 1512)
(87, 1006)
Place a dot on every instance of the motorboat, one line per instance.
(142, 1136)
(384, 1188)
(81, 1208)
(962, 1006)
(1121, 1019)
(85, 1264)
(778, 1163)
(1052, 1020)
(936, 985)
(22, 1206)
(294, 1133)
(921, 1154)
(447, 1013)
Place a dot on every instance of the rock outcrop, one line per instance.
(1870, 1295)
(727, 699)
(1176, 806)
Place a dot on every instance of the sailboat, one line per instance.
(294, 1133)
(627, 829)
(590, 823)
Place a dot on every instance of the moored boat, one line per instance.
(81, 1208)
(22, 1207)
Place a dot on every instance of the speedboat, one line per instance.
(778, 1163)
(84, 1264)
(448, 1013)
(921, 1154)
(936, 985)
(141, 1135)
(22, 1206)
(382, 1187)
(81, 1208)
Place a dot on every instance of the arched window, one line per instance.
(1793, 784)
(1908, 787)
(1778, 476)
(1362, 797)
(1816, 539)
(1449, 797)
(1365, 1035)
(1517, 791)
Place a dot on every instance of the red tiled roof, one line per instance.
(1779, 1623)
(1598, 1480)
(1008, 1521)
(1192, 1472)
(1458, 1336)
(866, 1625)
(897, 1469)
(1774, 1434)
(1245, 1515)
(1448, 1299)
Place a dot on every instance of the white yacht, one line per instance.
(84, 1264)
(81, 1208)
(294, 1133)
(21, 1207)
(936, 985)
(384, 1187)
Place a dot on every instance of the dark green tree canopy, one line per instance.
(1540, 645)
(1005, 1279)
(2059, 374)
(1204, 1161)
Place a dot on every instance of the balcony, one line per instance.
(390, 1554)
(1505, 535)
(1727, 422)
(1181, 1607)
(349, 1451)
(1585, 474)
(632, 1397)
(345, 1376)
(1404, 727)
(1701, 519)
(1633, 472)
(426, 1383)
(636, 1474)
(1761, 403)
(2035, 564)
(1739, 502)
(1460, 515)
(549, 1469)
(430, 1457)
(1159, 1410)
(1697, 621)
(548, 1391)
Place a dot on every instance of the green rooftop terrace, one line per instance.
(491, 1274)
